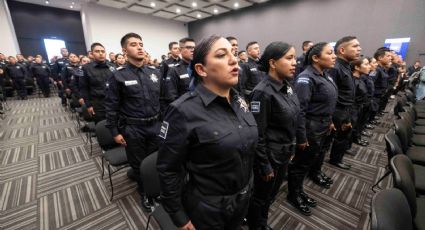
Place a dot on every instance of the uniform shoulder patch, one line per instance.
(164, 130)
(255, 106)
(303, 80)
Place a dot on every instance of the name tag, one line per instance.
(43, 67)
(253, 69)
(133, 82)
(184, 76)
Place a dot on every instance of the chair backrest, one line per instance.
(411, 113)
(149, 176)
(405, 116)
(410, 96)
(104, 136)
(393, 144)
(398, 107)
(390, 211)
(404, 179)
(402, 131)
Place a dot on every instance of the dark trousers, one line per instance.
(264, 195)
(20, 87)
(216, 212)
(316, 167)
(44, 85)
(62, 94)
(139, 147)
(317, 133)
(373, 110)
(363, 117)
(342, 139)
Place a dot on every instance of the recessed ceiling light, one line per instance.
(199, 15)
(215, 11)
(236, 5)
(73, 3)
(178, 10)
(47, 2)
(153, 4)
(71, 6)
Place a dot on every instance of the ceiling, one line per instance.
(180, 10)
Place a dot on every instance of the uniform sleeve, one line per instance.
(112, 104)
(171, 159)
(303, 88)
(63, 76)
(261, 109)
(163, 70)
(84, 87)
(171, 84)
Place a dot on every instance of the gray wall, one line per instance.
(293, 21)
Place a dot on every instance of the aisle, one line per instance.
(48, 180)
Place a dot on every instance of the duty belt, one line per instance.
(141, 121)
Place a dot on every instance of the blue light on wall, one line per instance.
(399, 45)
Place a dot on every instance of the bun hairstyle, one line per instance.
(199, 54)
(315, 50)
(275, 51)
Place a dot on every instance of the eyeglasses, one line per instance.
(188, 47)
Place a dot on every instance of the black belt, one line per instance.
(141, 121)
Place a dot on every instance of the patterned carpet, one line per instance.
(49, 180)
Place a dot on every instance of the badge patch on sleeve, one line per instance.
(255, 106)
(164, 130)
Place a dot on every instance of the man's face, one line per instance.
(2, 57)
(30, 58)
(417, 64)
(64, 52)
(38, 60)
(386, 59)
(12, 60)
(351, 50)
(112, 56)
(73, 58)
(175, 51)
(254, 51)
(134, 49)
(243, 56)
(187, 50)
(99, 53)
(20, 57)
(235, 46)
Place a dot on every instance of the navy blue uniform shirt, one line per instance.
(343, 78)
(381, 81)
(177, 81)
(317, 95)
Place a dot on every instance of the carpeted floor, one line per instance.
(49, 180)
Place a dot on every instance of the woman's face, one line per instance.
(327, 57)
(285, 66)
(120, 60)
(364, 68)
(373, 64)
(221, 66)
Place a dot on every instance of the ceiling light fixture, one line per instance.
(72, 3)
(47, 2)
(71, 6)
(215, 11)
(153, 4)
(178, 10)
(194, 4)
(236, 5)
(199, 15)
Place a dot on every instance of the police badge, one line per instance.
(243, 105)
(289, 90)
(154, 78)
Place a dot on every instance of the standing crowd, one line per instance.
(229, 126)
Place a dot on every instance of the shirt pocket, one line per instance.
(134, 90)
(207, 134)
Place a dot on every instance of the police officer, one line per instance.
(300, 60)
(234, 43)
(3, 64)
(42, 73)
(17, 73)
(23, 62)
(94, 82)
(212, 134)
(60, 63)
(360, 114)
(275, 107)
(132, 108)
(347, 49)
(317, 94)
(243, 57)
(250, 76)
(383, 57)
(172, 61)
(370, 85)
(178, 77)
(70, 79)
(119, 60)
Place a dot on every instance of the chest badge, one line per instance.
(289, 91)
(243, 105)
(154, 78)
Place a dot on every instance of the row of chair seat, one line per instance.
(403, 207)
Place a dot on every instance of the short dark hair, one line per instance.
(381, 52)
(242, 51)
(201, 51)
(171, 44)
(305, 43)
(315, 50)
(184, 40)
(251, 44)
(125, 38)
(230, 38)
(342, 41)
(118, 54)
(275, 51)
(95, 44)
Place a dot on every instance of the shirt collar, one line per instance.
(133, 67)
(343, 62)
(207, 96)
(315, 71)
(275, 84)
